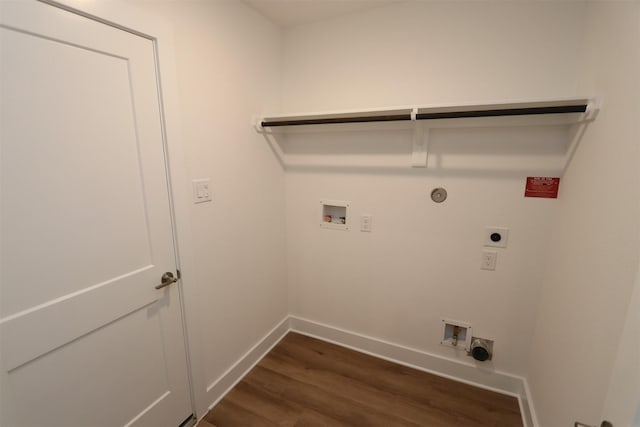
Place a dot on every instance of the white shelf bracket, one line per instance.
(420, 154)
(573, 145)
(593, 109)
(256, 122)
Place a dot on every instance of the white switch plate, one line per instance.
(503, 234)
(366, 223)
(201, 190)
(489, 259)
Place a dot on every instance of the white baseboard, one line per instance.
(528, 405)
(232, 376)
(500, 382)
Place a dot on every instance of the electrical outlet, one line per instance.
(366, 223)
(496, 237)
(489, 259)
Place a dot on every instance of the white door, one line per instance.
(86, 338)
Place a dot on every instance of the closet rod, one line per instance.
(562, 109)
(336, 120)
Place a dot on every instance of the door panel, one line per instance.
(121, 347)
(96, 307)
(57, 177)
(86, 229)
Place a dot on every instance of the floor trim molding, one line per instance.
(219, 388)
(497, 381)
(500, 382)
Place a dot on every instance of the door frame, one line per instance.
(126, 17)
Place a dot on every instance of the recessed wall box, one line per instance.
(334, 214)
(456, 334)
(481, 349)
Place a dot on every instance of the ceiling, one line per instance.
(288, 13)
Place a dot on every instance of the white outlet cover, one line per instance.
(366, 223)
(489, 258)
(504, 237)
(201, 190)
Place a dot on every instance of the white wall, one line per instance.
(434, 52)
(622, 404)
(228, 67)
(421, 262)
(595, 248)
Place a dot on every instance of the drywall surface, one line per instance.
(228, 67)
(421, 261)
(622, 405)
(432, 52)
(595, 247)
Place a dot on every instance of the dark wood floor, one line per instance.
(307, 382)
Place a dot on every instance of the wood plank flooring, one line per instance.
(307, 382)
(204, 423)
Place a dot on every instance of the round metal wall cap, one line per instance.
(439, 195)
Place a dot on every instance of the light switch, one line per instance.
(201, 190)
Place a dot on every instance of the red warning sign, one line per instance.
(542, 186)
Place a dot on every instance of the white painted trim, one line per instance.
(530, 407)
(147, 409)
(232, 376)
(500, 382)
(129, 18)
